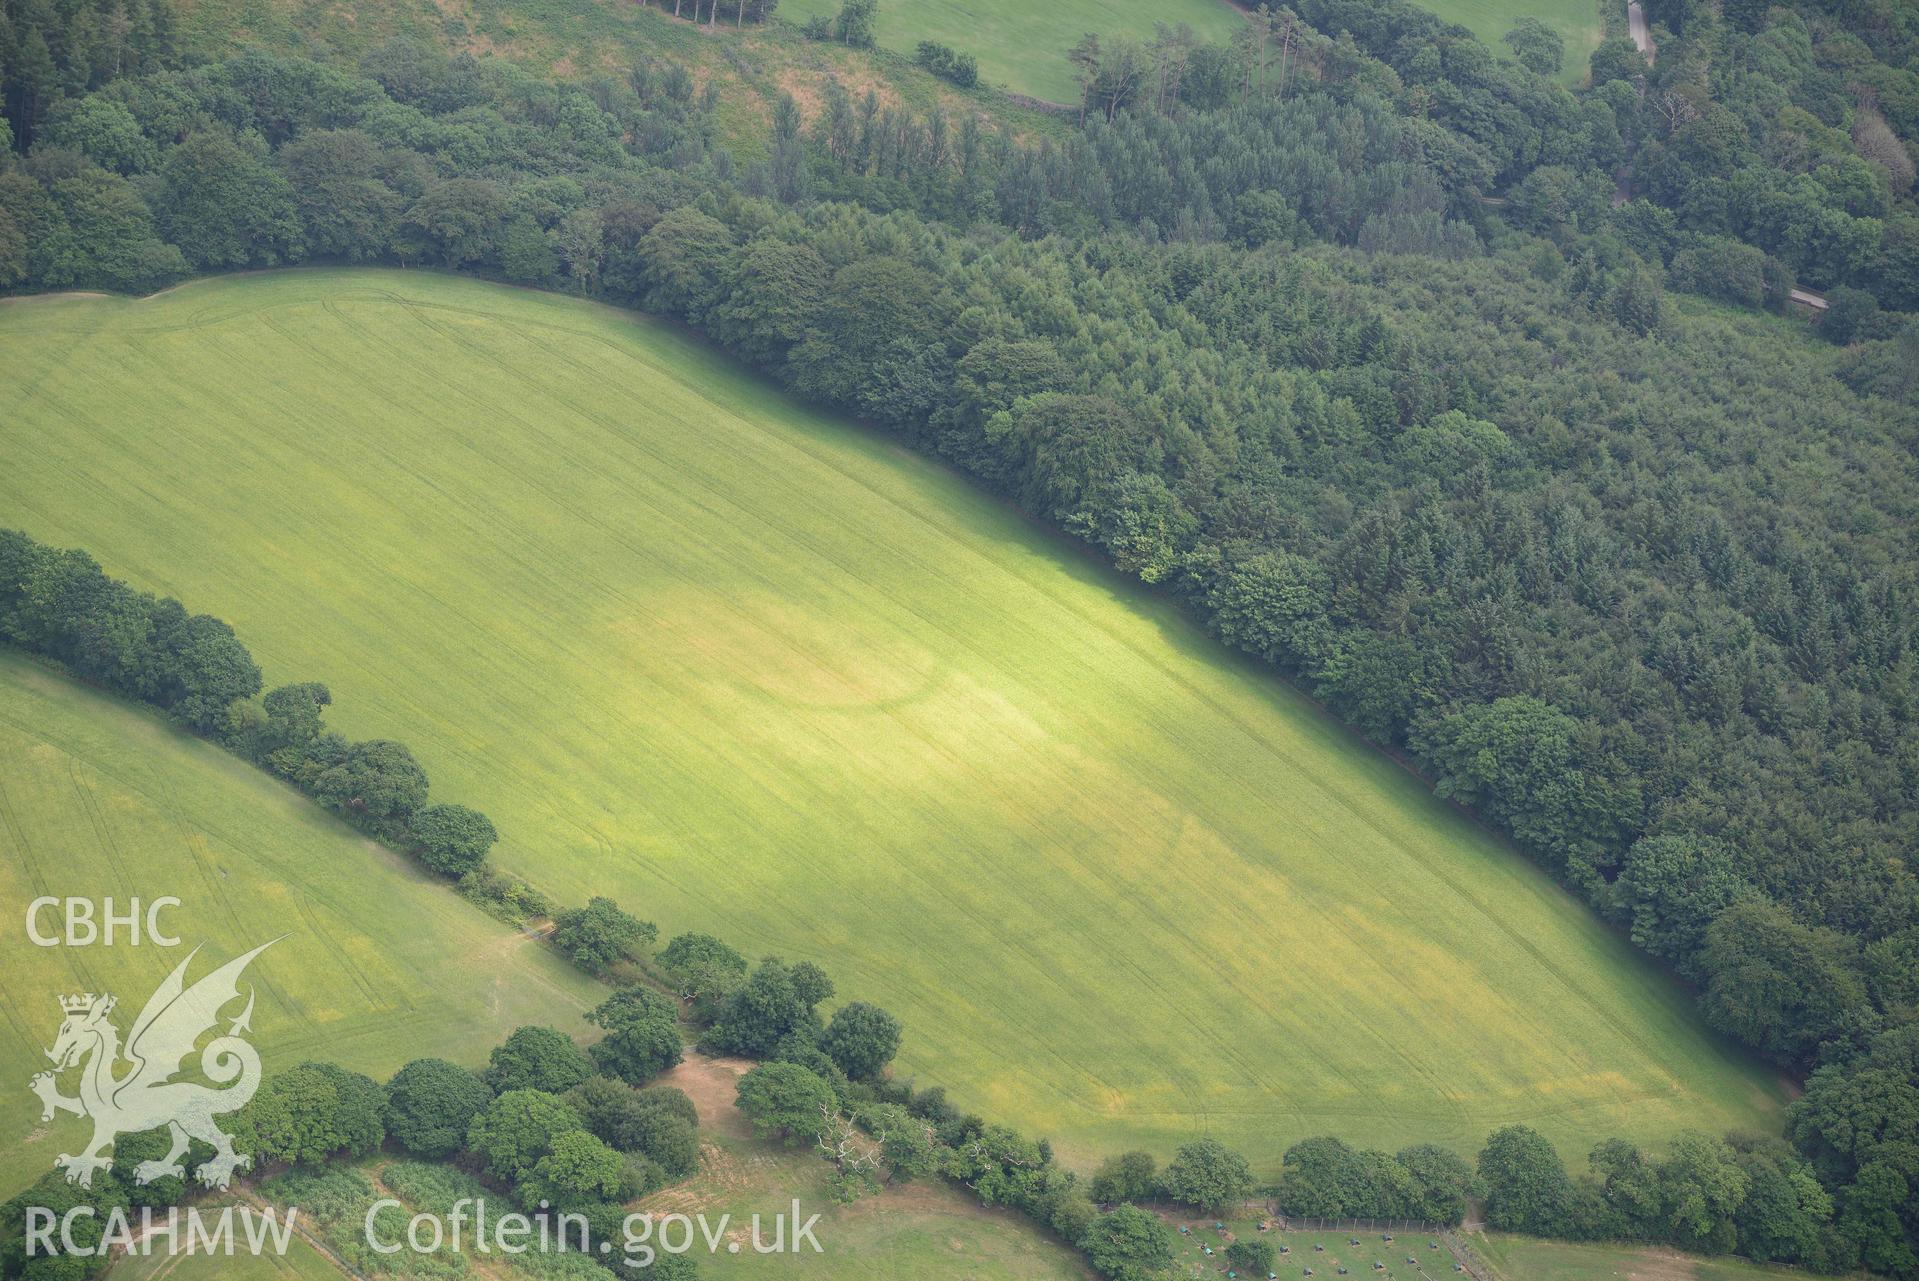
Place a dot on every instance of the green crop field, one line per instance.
(753, 670)
(379, 964)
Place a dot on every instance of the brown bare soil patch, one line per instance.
(712, 1084)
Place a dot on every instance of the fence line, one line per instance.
(1468, 1257)
(1289, 1223)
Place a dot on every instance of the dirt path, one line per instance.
(713, 1085)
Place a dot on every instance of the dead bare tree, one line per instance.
(1677, 108)
(849, 1149)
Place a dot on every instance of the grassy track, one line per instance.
(752, 670)
(380, 965)
(301, 1262)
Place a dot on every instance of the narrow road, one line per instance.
(1811, 299)
(1636, 28)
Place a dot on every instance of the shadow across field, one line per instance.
(755, 670)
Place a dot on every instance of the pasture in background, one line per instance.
(381, 964)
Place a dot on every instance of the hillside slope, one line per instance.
(379, 964)
(754, 671)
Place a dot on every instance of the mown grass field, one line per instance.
(1022, 46)
(379, 964)
(1504, 1257)
(757, 671)
(1576, 21)
(1514, 1258)
(749, 67)
(1199, 1250)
